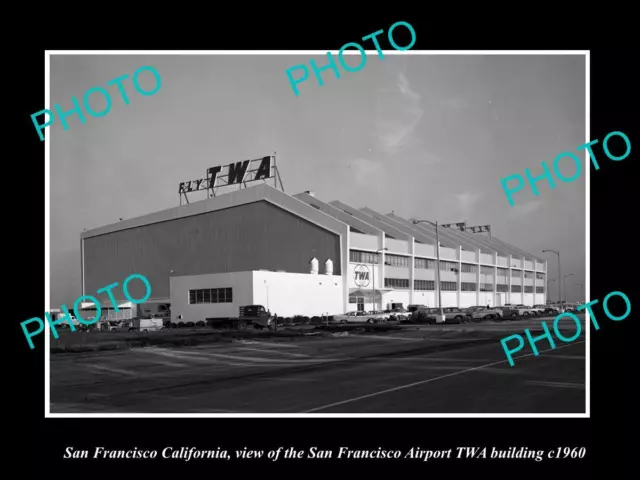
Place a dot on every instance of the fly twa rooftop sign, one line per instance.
(239, 173)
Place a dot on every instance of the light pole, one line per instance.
(565, 285)
(548, 282)
(435, 224)
(557, 252)
(374, 275)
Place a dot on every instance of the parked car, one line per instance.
(412, 308)
(525, 311)
(357, 317)
(454, 315)
(571, 307)
(487, 314)
(425, 315)
(398, 315)
(470, 310)
(117, 326)
(547, 310)
(146, 325)
(380, 315)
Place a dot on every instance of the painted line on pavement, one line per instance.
(429, 380)
(556, 384)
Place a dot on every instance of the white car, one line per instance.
(357, 317)
(525, 311)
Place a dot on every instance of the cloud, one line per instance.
(398, 113)
(454, 103)
(520, 210)
(466, 201)
(366, 170)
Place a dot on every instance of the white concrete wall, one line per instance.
(428, 298)
(449, 299)
(486, 259)
(467, 299)
(240, 282)
(289, 294)
(469, 257)
(425, 250)
(424, 274)
(398, 296)
(360, 241)
(397, 246)
(501, 299)
(486, 298)
(448, 253)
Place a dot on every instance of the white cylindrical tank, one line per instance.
(328, 267)
(313, 266)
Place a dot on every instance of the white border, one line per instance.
(47, 406)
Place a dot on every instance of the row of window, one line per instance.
(357, 256)
(211, 295)
(430, 285)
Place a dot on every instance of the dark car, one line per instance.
(454, 315)
(425, 315)
(547, 310)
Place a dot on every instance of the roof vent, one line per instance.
(310, 193)
(313, 264)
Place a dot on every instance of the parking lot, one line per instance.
(343, 369)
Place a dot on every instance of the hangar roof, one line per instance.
(262, 192)
(334, 216)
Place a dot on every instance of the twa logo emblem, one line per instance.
(361, 276)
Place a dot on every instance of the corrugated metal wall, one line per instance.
(248, 237)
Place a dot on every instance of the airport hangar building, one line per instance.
(297, 255)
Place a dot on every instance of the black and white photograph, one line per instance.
(292, 234)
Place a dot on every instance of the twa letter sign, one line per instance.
(361, 276)
(239, 173)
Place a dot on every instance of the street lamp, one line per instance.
(435, 224)
(557, 252)
(565, 285)
(548, 282)
(374, 275)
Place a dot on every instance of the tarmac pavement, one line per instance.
(415, 369)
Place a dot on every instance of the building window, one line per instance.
(503, 272)
(448, 266)
(468, 286)
(539, 289)
(528, 289)
(486, 270)
(528, 274)
(449, 286)
(516, 273)
(540, 276)
(486, 287)
(516, 288)
(424, 285)
(357, 256)
(425, 263)
(396, 261)
(502, 288)
(469, 268)
(210, 295)
(402, 283)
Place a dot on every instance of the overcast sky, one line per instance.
(428, 136)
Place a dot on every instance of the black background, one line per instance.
(38, 444)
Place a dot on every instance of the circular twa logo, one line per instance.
(361, 275)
